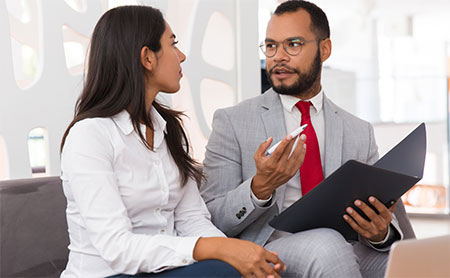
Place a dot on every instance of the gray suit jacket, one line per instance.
(229, 166)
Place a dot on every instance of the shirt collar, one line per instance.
(123, 121)
(159, 124)
(289, 102)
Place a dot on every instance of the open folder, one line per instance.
(388, 179)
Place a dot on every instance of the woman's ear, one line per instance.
(148, 58)
(325, 49)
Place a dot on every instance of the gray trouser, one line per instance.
(325, 253)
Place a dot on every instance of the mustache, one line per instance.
(271, 70)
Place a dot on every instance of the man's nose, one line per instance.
(281, 54)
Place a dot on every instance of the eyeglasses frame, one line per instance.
(302, 43)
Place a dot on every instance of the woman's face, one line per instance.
(167, 73)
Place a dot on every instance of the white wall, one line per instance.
(47, 98)
(221, 68)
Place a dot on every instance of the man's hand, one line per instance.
(377, 227)
(278, 168)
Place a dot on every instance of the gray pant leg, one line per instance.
(371, 262)
(316, 253)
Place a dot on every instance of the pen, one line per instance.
(293, 134)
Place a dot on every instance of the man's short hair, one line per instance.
(319, 22)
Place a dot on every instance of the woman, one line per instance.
(133, 204)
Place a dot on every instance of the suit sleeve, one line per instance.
(225, 192)
(372, 155)
(395, 230)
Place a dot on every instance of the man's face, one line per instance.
(293, 75)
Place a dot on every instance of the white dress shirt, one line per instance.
(126, 209)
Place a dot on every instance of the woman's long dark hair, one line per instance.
(116, 79)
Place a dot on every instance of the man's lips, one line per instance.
(282, 72)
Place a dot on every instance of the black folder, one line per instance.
(388, 179)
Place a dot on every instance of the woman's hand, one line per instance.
(250, 259)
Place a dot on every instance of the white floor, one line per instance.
(425, 227)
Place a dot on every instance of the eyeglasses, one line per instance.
(292, 46)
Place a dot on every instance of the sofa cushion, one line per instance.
(33, 228)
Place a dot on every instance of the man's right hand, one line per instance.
(278, 168)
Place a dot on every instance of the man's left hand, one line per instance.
(374, 229)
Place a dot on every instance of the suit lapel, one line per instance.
(273, 120)
(333, 137)
(272, 116)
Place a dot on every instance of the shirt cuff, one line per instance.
(259, 202)
(185, 250)
(388, 236)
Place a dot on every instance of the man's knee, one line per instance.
(319, 252)
(328, 246)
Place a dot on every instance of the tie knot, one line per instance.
(303, 106)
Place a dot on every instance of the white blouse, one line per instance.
(126, 210)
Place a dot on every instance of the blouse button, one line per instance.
(184, 261)
(162, 231)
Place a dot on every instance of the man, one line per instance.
(245, 189)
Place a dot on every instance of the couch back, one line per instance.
(33, 228)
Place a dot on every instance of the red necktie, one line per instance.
(311, 173)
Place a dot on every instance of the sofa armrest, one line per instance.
(33, 228)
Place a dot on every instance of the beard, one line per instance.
(304, 81)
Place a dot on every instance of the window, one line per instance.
(390, 66)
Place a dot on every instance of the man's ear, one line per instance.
(148, 58)
(325, 49)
